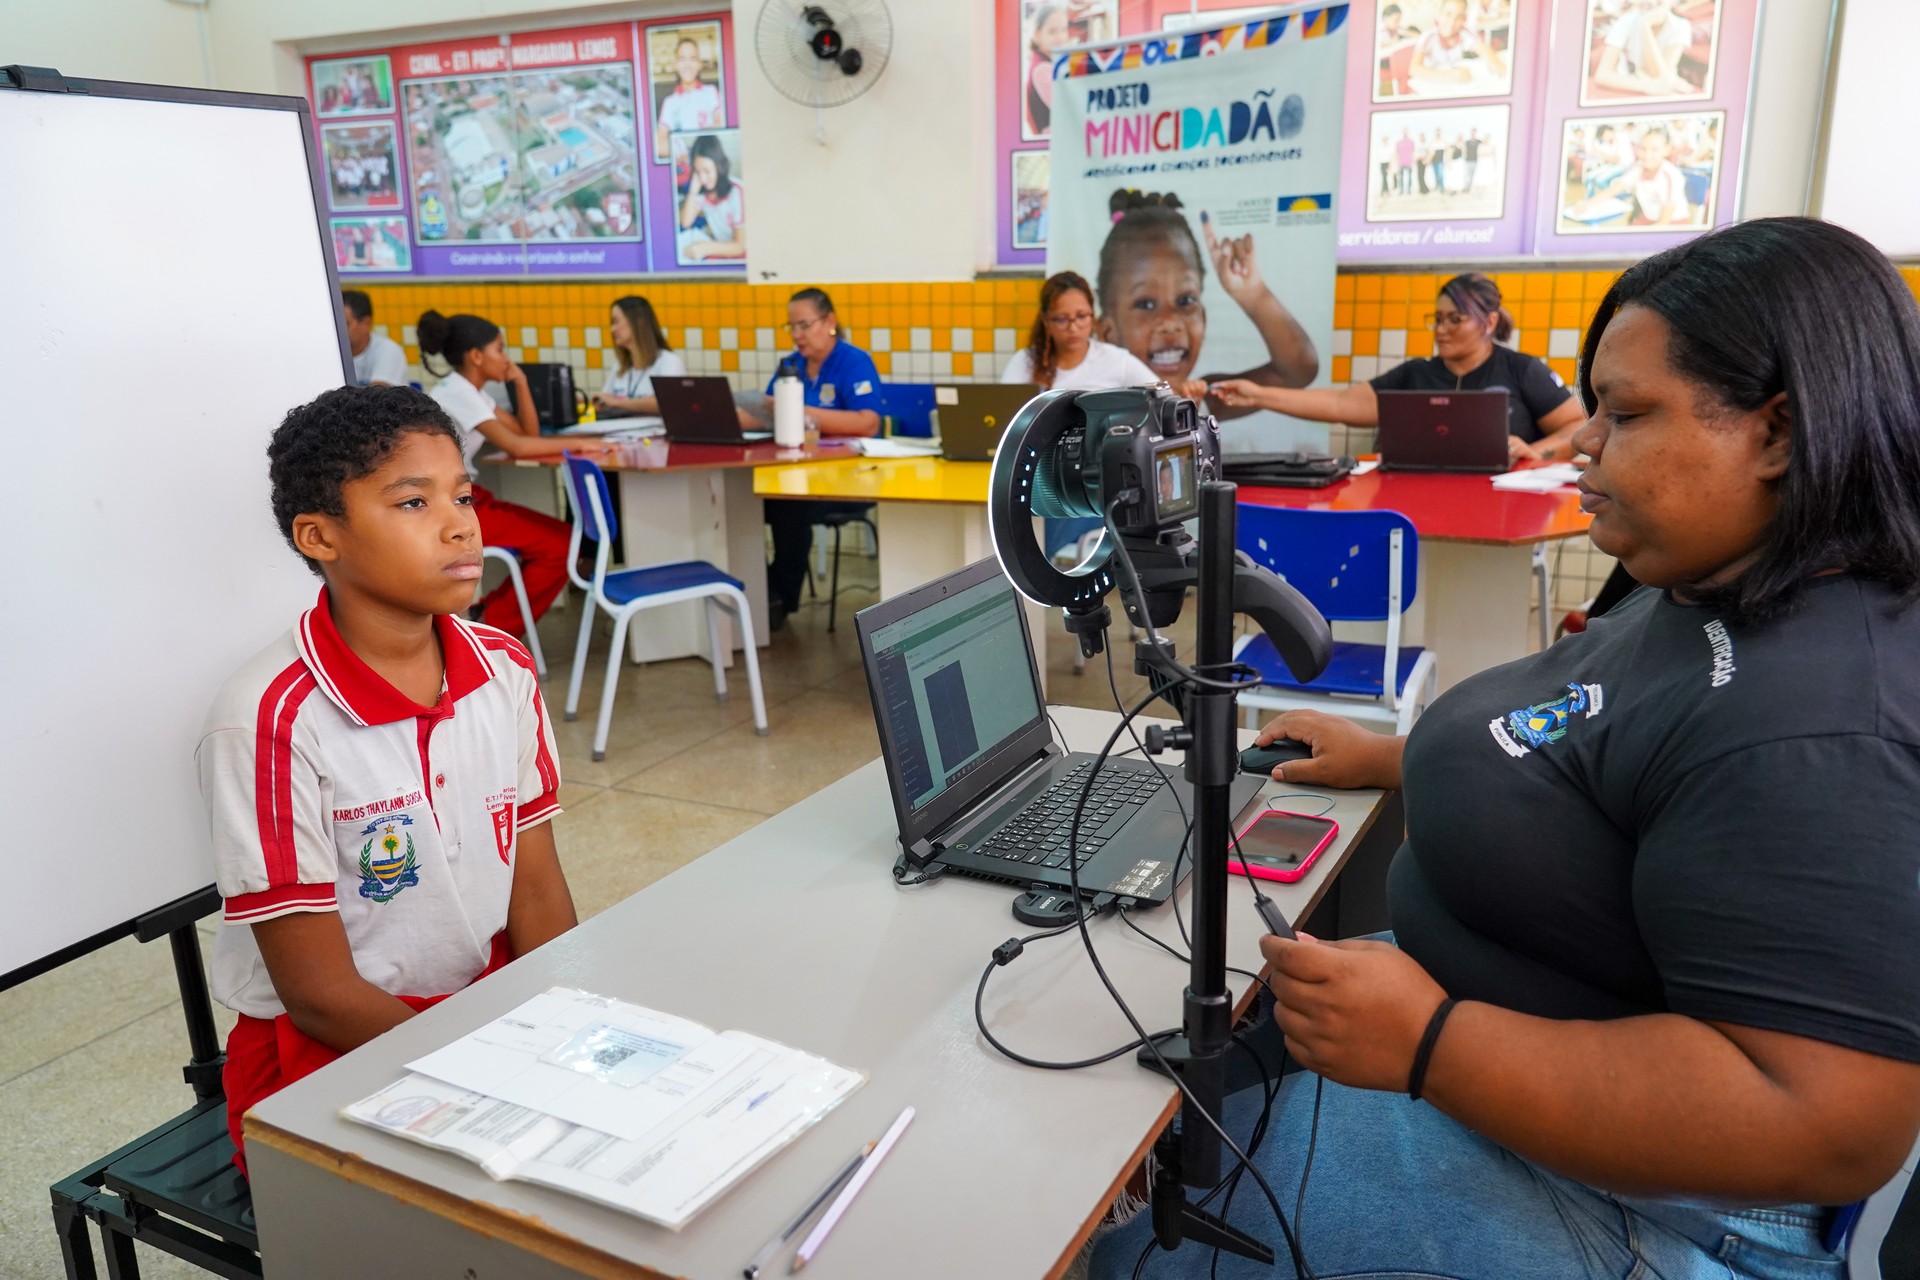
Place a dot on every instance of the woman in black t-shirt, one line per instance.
(1468, 326)
(1667, 868)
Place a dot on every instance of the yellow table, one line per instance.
(932, 514)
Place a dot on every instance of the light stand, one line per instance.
(1198, 1055)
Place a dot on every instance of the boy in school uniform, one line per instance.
(379, 781)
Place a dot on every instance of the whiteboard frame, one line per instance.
(180, 912)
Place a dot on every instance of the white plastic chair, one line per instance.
(1354, 566)
(511, 559)
(629, 591)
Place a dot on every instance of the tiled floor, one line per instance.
(90, 1054)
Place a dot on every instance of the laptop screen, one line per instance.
(954, 682)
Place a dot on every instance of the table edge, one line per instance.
(1099, 1214)
(524, 1232)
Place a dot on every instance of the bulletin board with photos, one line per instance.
(606, 149)
(1489, 129)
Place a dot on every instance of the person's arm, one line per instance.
(1662, 1105)
(1354, 405)
(1345, 755)
(734, 248)
(1421, 67)
(1557, 428)
(845, 422)
(524, 415)
(541, 908)
(504, 432)
(311, 965)
(690, 207)
(1293, 360)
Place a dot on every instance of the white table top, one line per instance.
(796, 931)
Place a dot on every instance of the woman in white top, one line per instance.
(474, 357)
(640, 344)
(1061, 351)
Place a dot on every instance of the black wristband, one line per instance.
(1417, 1078)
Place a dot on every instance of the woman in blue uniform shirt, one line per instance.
(843, 399)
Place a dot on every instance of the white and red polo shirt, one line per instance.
(327, 789)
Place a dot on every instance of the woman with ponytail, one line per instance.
(1468, 326)
(1061, 351)
(473, 356)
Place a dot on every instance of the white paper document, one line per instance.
(894, 447)
(1538, 479)
(622, 1105)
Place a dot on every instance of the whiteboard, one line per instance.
(168, 299)
(1867, 185)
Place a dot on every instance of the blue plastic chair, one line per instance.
(909, 405)
(1354, 566)
(627, 592)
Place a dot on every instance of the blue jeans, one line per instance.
(1399, 1191)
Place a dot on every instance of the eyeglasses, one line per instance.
(798, 327)
(1449, 320)
(1073, 321)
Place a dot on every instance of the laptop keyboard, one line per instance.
(1037, 835)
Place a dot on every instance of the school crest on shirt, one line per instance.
(826, 396)
(387, 862)
(1545, 723)
(502, 816)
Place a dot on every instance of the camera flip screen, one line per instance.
(1175, 493)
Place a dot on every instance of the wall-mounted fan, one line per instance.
(823, 55)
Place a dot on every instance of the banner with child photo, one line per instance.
(1193, 181)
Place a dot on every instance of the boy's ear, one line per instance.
(317, 537)
(1103, 329)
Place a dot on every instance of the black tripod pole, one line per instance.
(1198, 1056)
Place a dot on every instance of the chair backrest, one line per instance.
(592, 504)
(909, 405)
(1341, 561)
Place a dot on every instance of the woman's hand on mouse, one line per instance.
(1344, 754)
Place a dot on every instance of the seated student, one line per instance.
(1061, 351)
(1467, 322)
(378, 780)
(1667, 866)
(843, 399)
(377, 359)
(474, 355)
(640, 344)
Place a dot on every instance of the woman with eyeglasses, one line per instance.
(1061, 351)
(843, 399)
(1468, 326)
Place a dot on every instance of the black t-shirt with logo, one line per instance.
(1669, 812)
(1533, 390)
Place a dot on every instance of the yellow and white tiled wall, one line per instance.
(965, 331)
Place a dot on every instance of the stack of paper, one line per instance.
(897, 447)
(635, 1109)
(1538, 479)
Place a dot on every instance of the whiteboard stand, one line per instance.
(72, 143)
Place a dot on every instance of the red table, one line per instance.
(1476, 577)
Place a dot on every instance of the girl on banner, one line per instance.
(1047, 33)
(693, 104)
(713, 218)
(1151, 275)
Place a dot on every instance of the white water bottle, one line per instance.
(789, 409)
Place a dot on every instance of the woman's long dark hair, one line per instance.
(1040, 338)
(1803, 307)
(709, 146)
(451, 337)
(648, 336)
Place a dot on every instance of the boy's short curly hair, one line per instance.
(342, 436)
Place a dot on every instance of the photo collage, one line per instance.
(444, 158)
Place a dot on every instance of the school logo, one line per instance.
(387, 862)
(503, 830)
(1545, 723)
(826, 396)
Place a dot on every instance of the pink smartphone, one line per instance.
(1278, 845)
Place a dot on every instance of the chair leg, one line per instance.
(833, 589)
(743, 618)
(873, 538)
(605, 723)
(587, 610)
(123, 1263)
(716, 648)
(526, 615)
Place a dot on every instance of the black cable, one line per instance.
(1162, 656)
(1004, 954)
(1306, 1170)
(1093, 957)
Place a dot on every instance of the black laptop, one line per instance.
(974, 417)
(978, 783)
(701, 411)
(1443, 431)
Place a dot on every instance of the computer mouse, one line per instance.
(1261, 760)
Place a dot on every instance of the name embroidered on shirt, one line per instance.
(1722, 645)
(368, 810)
(1545, 723)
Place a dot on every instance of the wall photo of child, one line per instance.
(712, 219)
(686, 78)
(1640, 173)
